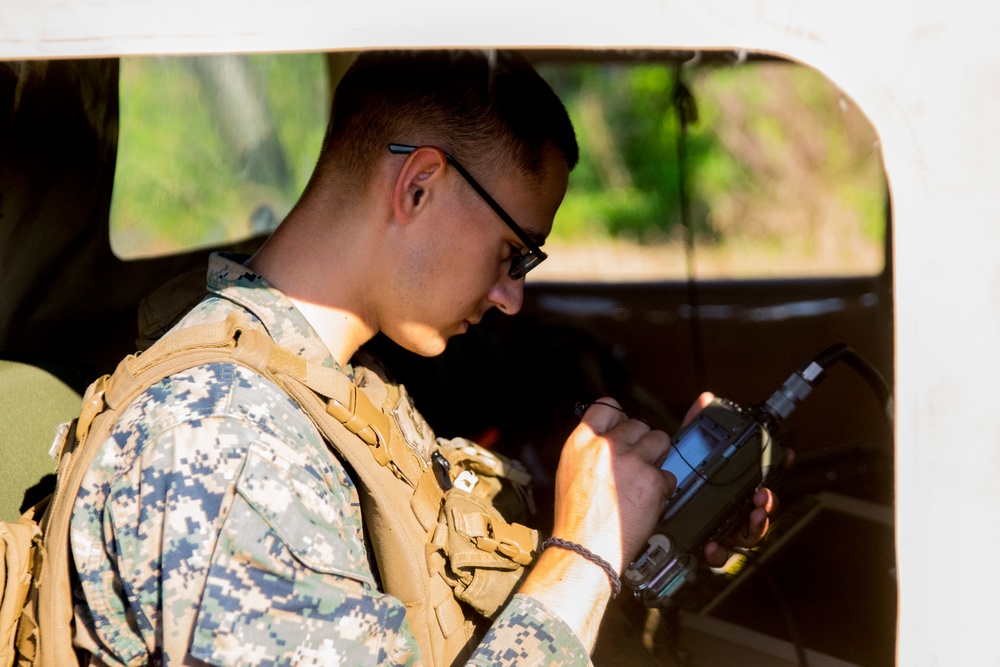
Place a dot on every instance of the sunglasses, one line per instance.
(521, 261)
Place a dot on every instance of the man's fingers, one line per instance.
(750, 535)
(753, 530)
(765, 504)
(603, 415)
(653, 447)
(633, 435)
(766, 499)
(700, 404)
(715, 554)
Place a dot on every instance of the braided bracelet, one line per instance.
(616, 583)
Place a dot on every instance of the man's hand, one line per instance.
(765, 505)
(610, 491)
(609, 495)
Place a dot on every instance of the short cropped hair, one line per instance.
(489, 109)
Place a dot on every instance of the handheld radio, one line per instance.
(720, 459)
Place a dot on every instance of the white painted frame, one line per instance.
(928, 77)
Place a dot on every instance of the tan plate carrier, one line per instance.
(449, 556)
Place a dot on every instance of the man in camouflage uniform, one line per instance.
(217, 526)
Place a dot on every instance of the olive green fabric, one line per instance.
(32, 403)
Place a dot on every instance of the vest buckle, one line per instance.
(511, 540)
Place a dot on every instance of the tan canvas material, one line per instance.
(441, 544)
(18, 542)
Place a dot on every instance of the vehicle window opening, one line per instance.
(213, 149)
(782, 173)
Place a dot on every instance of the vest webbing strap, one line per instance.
(49, 611)
(340, 411)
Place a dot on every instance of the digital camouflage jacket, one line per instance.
(185, 543)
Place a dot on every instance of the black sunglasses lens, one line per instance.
(522, 264)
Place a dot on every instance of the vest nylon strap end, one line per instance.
(92, 407)
(287, 363)
(362, 418)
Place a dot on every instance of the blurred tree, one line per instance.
(241, 115)
(773, 155)
(213, 148)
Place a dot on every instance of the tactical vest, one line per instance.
(432, 508)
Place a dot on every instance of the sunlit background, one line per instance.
(714, 168)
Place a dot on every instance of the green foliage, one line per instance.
(188, 174)
(774, 150)
(299, 98)
(628, 183)
(215, 149)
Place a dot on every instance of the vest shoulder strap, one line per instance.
(415, 523)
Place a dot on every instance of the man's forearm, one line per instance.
(572, 587)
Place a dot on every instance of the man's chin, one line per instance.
(430, 344)
(426, 348)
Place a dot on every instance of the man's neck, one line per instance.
(324, 278)
(342, 331)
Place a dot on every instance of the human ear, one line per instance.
(417, 182)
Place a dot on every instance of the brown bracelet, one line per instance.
(616, 583)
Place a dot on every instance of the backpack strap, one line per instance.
(48, 612)
(18, 543)
(453, 544)
(489, 554)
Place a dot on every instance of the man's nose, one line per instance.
(507, 294)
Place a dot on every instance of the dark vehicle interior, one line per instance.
(824, 592)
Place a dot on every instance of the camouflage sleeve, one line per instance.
(527, 633)
(289, 581)
(229, 535)
(288, 584)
